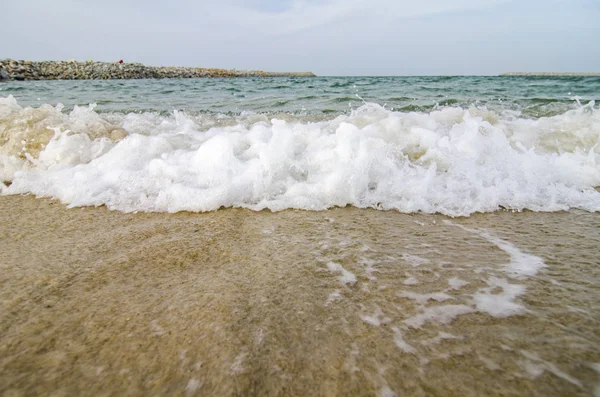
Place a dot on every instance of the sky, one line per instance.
(327, 37)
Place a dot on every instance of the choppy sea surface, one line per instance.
(450, 145)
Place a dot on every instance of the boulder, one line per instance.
(4, 75)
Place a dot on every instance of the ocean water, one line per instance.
(454, 252)
(450, 145)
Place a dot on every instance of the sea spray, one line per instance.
(454, 160)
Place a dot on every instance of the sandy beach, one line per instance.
(300, 198)
(341, 302)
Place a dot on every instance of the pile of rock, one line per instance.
(11, 69)
(552, 74)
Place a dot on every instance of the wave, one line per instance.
(453, 160)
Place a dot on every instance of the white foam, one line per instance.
(452, 161)
(410, 281)
(456, 283)
(350, 364)
(424, 298)
(536, 366)
(237, 367)
(414, 260)
(443, 314)
(401, 343)
(369, 269)
(385, 391)
(439, 338)
(521, 264)
(192, 386)
(490, 364)
(346, 277)
(376, 319)
(499, 304)
(333, 297)
(499, 297)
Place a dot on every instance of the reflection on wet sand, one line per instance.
(340, 302)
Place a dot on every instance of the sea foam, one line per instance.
(453, 161)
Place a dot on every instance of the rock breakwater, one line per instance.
(11, 69)
(551, 74)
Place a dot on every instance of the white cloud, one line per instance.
(302, 14)
(327, 36)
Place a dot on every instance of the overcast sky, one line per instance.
(328, 37)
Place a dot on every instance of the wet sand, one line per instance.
(341, 302)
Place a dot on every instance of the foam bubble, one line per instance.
(443, 314)
(439, 338)
(499, 304)
(521, 263)
(414, 260)
(401, 343)
(192, 386)
(424, 298)
(535, 366)
(385, 391)
(333, 297)
(490, 364)
(376, 318)
(411, 281)
(456, 283)
(453, 161)
(346, 276)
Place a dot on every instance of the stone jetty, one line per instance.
(551, 74)
(11, 69)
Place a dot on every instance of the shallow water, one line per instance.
(342, 302)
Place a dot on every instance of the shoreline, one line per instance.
(21, 70)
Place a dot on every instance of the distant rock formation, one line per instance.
(4, 74)
(11, 69)
(550, 74)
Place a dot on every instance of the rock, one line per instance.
(69, 70)
(4, 75)
(18, 77)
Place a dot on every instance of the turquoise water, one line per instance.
(321, 96)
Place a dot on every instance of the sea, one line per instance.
(380, 235)
(449, 145)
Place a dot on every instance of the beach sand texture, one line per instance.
(341, 302)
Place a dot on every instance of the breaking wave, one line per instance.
(454, 161)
